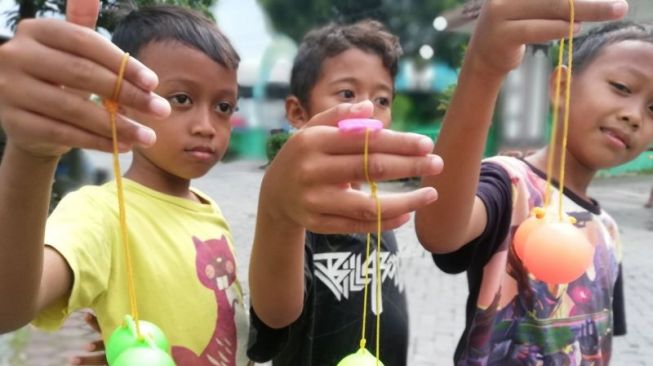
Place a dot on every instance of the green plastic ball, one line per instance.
(143, 356)
(362, 357)
(124, 337)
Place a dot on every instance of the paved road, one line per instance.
(436, 300)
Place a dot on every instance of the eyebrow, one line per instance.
(221, 92)
(352, 80)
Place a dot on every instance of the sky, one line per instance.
(242, 20)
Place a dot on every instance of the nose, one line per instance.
(202, 124)
(631, 114)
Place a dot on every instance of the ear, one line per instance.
(561, 72)
(295, 112)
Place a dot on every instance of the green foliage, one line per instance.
(274, 143)
(411, 20)
(111, 11)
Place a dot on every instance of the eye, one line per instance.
(346, 94)
(620, 87)
(180, 99)
(225, 108)
(383, 101)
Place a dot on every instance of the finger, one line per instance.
(333, 115)
(359, 205)
(95, 346)
(584, 10)
(59, 104)
(89, 360)
(92, 321)
(83, 12)
(328, 224)
(537, 31)
(83, 74)
(85, 43)
(380, 167)
(333, 141)
(33, 129)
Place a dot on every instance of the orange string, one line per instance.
(112, 107)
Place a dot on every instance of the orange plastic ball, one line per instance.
(525, 229)
(557, 253)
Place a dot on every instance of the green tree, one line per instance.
(411, 20)
(110, 13)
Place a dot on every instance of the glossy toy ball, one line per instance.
(524, 231)
(557, 253)
(362, 357)
(143, 356)
(124, 337)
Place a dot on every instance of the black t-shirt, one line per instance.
(495, 190)
(329, 327)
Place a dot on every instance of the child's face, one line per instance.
(202, 94)
(612, 106)
(352, 76)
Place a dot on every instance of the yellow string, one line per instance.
(565, 128)
(556, 109)
(112, 107)
(375, 197)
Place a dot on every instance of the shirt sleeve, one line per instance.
(618, 306)
(81, 231)
(264, 342)
(495, 191)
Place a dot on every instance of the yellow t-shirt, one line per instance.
(184, 264)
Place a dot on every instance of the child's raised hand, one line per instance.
(505, 26)
(307, 184)
(42, 70)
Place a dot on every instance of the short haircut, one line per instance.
(165, 23)
(333, 39)
(587, 47)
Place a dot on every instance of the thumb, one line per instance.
(333, 115)
(83, 12)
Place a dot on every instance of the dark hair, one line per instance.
(333, 39)
(164, 23)
(587, 47)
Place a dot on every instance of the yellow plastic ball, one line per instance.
(362, 357)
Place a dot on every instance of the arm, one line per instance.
(306, 188)
(25, 191)
(39, 130)
(496, 47)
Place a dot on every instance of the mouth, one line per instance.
(222, 282)
(616, 137)
(201, 152)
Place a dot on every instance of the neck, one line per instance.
(577, 176)
(146, 173)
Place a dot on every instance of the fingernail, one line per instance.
(619, 8)
(425, 144)
(431, 195)
(146, 136)
(159, 106)
(90, 347)
(436, 162)
(147, 79)
(75, 361)
(359, 107)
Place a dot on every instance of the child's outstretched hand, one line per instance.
(46, 72)
(307, 184)
(95, 354)
(505, 26)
